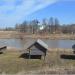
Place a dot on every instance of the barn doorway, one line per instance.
(27, 56)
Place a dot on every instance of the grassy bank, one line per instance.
(15, 34)
(11, 62)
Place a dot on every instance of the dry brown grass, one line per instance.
(10, 63)
(15, 34)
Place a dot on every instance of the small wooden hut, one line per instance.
(2, 49)
(37, 50)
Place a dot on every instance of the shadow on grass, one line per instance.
(26, 56)
(72, 57)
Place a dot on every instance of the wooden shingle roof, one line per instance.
(40, 42)
(43, 44)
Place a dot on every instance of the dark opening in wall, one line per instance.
(72, 57)
(26, 56)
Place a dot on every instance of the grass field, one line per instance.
(10, 63)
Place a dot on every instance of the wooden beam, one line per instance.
(29, 54)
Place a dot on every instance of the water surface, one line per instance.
(18, 43)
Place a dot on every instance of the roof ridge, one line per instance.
(42, 43)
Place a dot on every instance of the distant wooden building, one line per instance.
(37, 50)
(2, 49)
(73, 47)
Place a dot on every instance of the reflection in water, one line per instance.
(18, 43)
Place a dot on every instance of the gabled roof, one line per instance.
(40, 42)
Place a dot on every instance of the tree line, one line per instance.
(36, 27)
(47, 26)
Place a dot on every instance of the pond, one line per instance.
(18, 43)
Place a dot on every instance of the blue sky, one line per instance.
(16, 11)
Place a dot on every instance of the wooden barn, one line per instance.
(37, 50)
(2, 49)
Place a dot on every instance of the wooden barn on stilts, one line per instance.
(37, 50)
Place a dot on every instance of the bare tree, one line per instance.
(51, 24)
(34, 25)
(56, 25)
(22, 27)
(44, 23)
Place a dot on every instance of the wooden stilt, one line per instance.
(44, 57)
(29, 54)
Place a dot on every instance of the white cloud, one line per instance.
(14, 11)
